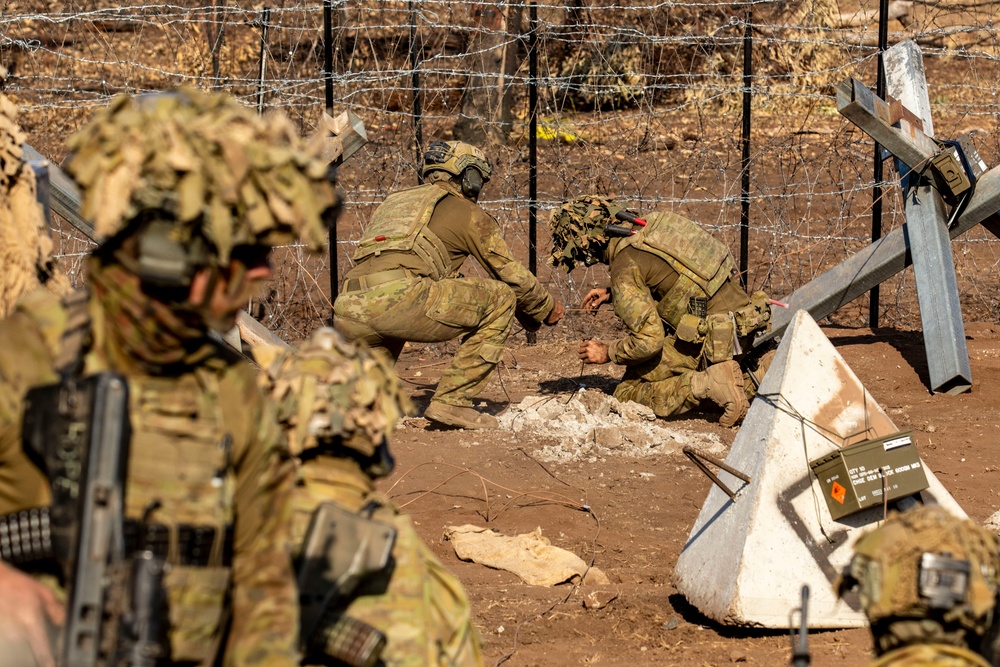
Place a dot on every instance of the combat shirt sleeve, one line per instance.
(265, 613)
(486, 244)
(635, 306)
(466, 229)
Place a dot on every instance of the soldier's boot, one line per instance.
(459, 416)
(723, 385)
(753, 377)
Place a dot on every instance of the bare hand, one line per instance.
(593, 352)
(556, 314)
(595, 298)
(32, 611)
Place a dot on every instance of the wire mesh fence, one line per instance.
(641, 101)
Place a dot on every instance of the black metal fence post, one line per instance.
(745, 163)
(532, 146)
(415, 53)
(328, 86)
(877, 190)
(265, 19)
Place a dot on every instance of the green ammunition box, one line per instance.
(855, 477)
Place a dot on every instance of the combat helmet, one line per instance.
(460, 161)
(194, 175)
(335, 396)
(578, 235)
(926, 576)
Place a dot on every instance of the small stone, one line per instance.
(738, 656)
(671, 624)
(598, 599)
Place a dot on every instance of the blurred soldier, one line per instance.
(25, 242)
(190, 191)
(674, 288)
(405, 286)
(928, 583)
(338, 402)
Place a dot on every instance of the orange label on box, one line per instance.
(838, 492)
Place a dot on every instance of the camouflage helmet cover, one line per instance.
(11, 139)
(455, 157)
(889, 563)
(331, 388)
(206, 163)
(578, 230)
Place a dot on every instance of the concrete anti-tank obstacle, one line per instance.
(745, 561)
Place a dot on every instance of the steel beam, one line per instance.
(927, 228)
(937, 291)
(64, 196)
(903, 133)
(906, 80)
(881, 260)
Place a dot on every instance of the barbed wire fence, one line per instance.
(640, 101)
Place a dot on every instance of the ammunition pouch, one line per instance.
(194, 545)
(754, 317)
(691, 328)
(340, 550)
(720, 338)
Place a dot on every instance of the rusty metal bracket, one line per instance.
(699, 458)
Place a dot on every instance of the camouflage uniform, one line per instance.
(405, 286)
(337, 402)
(205, 440)
(25, 242)
(657, 273)
(928, 584)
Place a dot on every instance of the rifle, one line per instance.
(800, 647)
(340, 550)
(78, 432)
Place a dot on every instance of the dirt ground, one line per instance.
(642, 507)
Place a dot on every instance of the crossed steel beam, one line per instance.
(924, 240)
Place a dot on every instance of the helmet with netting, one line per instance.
(209, 171)
(578, 235)
(454, 157)
(926, 576)
(333, 394)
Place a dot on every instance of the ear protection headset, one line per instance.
(164, 261)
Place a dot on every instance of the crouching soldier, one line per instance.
(406, 287)
(674, 288)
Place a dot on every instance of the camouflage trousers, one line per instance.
(664, 383)
(479, 310)
(419, 606)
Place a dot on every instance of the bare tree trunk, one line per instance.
(487, 101)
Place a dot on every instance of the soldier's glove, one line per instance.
(529, 323)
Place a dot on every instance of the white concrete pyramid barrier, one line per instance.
(745, 561)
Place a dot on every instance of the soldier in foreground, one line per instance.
(190, 191)
(928, 583)
(405, 286)
(338, 402)
(674, 288)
